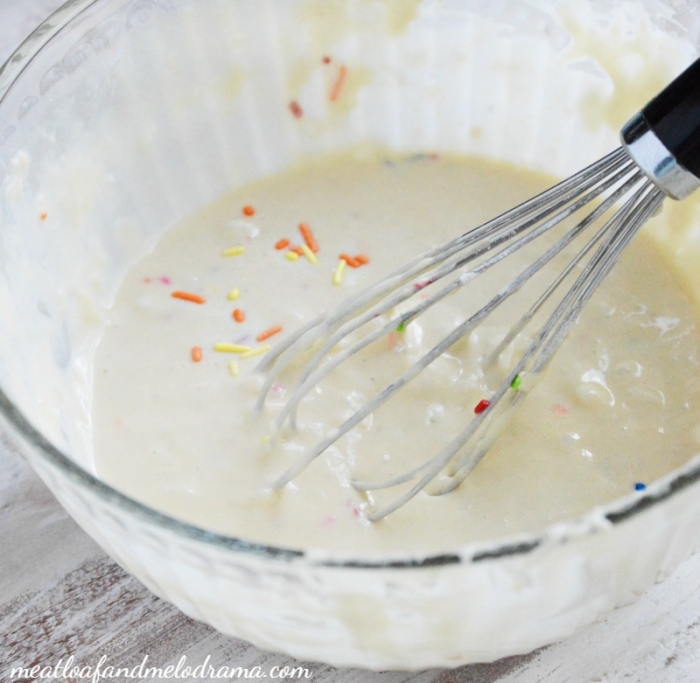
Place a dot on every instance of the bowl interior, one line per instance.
(122, 118)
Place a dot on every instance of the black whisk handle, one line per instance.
(664, 137)
(674, 116)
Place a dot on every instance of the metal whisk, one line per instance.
(660, 156)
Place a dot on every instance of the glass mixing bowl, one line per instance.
(118, 118)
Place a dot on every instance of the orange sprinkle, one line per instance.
(352, 262)
(297, 250)
(296, 109)
(238, 315)
(308, 236)
(43, 215)
(362, 259)
(196, 354)
(339, 83)
(269, 333)
(283, 243)
(248, 211)
(187, 296)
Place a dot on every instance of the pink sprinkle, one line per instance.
(352, 505)
(330, 519)
(424, 283)
(396, 341)
(277, 389)
(559, 409)
(165, 280)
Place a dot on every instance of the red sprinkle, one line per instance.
(187, 296)
(481, 406)
(269, 333)
(326, 60)
(196, 354)
(238, 315)
(282, 244)
(248, 211)
(296, 109)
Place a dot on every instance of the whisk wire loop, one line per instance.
(538, 227)
(618, 231)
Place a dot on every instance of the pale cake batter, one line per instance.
(173, 417)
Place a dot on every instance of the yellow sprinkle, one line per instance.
(233, 369)
(292, 256)
(234, 294)
(231, 348)
(233, 251)
(255, 352)
(310, 256)
(339, 272)
(266, 439)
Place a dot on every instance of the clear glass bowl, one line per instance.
(120, 117)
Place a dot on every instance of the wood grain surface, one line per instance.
(61, 596)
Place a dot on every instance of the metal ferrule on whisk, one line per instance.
(655, 160)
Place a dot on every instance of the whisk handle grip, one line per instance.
(664, 137)
(674, 117)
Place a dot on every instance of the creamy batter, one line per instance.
(174, 424)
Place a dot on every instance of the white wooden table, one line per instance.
(61, 596)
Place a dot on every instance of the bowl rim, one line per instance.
(603, 517)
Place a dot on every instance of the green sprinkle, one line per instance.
(517, 381)
(402, 326)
